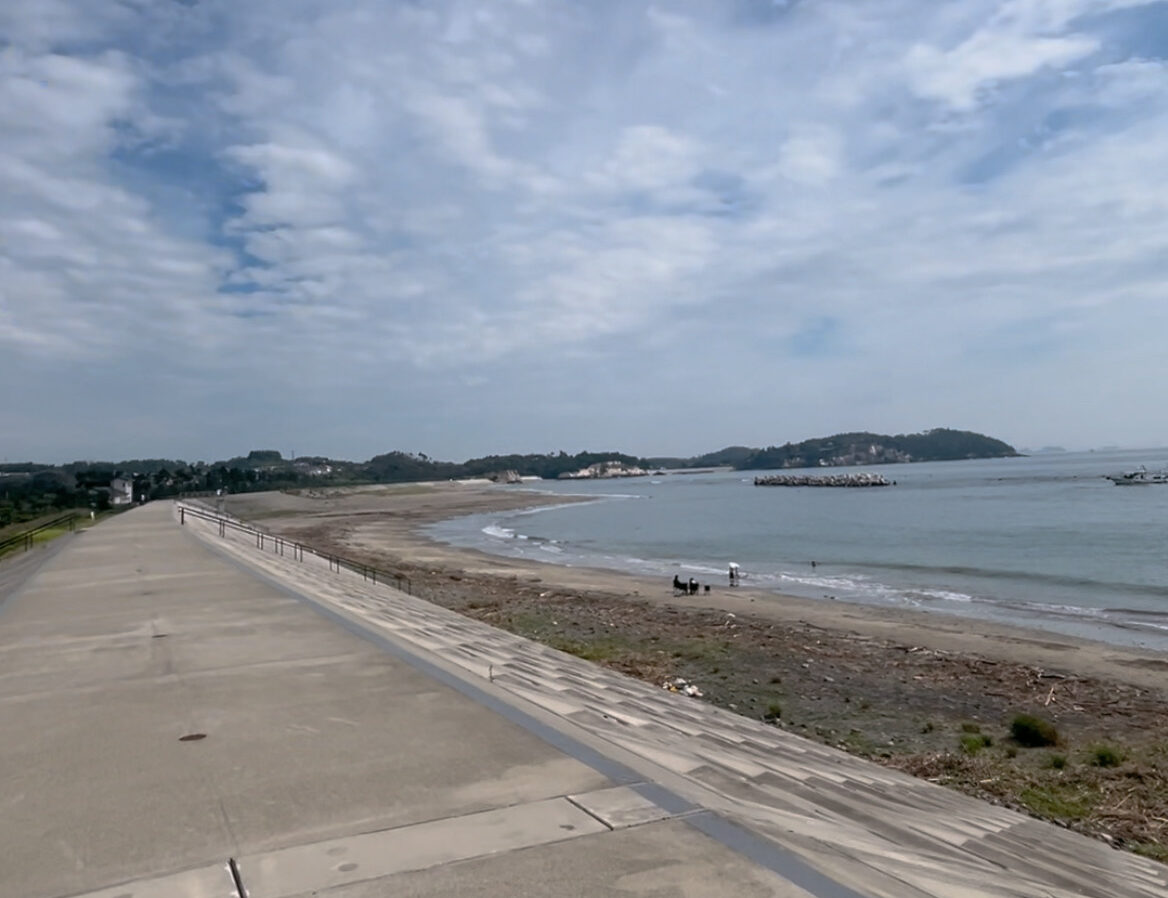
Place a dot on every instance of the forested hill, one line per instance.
(865, 448)
(28, 490)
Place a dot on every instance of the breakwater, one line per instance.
(858, 479)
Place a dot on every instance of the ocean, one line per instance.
(1043, 542)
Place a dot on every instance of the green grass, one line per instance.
(594, 650)
(38, 538)
(1033, 732)
(972, 743)
(1057, 802)
(1157, 851)
(1106, 756)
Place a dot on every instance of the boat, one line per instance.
(1142, 477)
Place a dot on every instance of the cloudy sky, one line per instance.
(341, 227)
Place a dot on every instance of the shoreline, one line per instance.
(399, 532)
(1120, 627)
(934, 695)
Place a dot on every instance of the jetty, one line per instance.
(862, 478)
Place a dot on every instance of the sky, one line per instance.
(345, 227)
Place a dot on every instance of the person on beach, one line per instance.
(733, 574)
(693, 586)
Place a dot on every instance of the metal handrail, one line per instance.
(280, 545)
(27, 536)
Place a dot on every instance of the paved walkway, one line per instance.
(356, 742)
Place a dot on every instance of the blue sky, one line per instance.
(459, 228)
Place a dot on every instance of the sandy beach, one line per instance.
(910, 689)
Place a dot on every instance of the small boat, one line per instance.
(1142, 477)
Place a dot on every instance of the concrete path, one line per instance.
(350, 741)
(174, 726)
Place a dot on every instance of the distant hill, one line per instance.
(731, 455)
(29, 489)
(842, 449)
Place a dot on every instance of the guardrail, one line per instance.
(281, 545)
(28, 537)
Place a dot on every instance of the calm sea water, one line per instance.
(1043, 541)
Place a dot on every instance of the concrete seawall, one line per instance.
(185, 712)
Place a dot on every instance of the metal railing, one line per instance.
(281, 545)
(28, 537)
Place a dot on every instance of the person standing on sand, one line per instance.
(733, 574)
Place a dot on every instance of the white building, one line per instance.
(121, 491)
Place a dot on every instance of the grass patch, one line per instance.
(774, 711)
(968, 727)
(1056, 803)
(1033, 732)
(1057, 762)
(972, 743)
(1157, 851)
(859, 744)
(597, 650)
(1106, 756)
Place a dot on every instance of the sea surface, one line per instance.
(1043, 542)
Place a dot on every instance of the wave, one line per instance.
(1012, 575)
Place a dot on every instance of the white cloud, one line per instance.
(810, 155)
(339, 197)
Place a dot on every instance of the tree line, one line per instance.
(29, 490)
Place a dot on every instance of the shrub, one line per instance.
(1106, 756)
(970, 728)
(774, 711)
(972, 743)
(1058, 762)
(1011, 751)
(1033, 732)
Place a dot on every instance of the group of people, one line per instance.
(692, 587)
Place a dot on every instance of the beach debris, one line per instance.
(1049, 697)
(683, 686)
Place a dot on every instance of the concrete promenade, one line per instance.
(184, 714)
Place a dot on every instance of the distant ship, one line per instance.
(1142, 477)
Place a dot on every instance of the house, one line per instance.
(122, 491)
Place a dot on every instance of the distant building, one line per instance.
(121, 491)
(604, 469)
